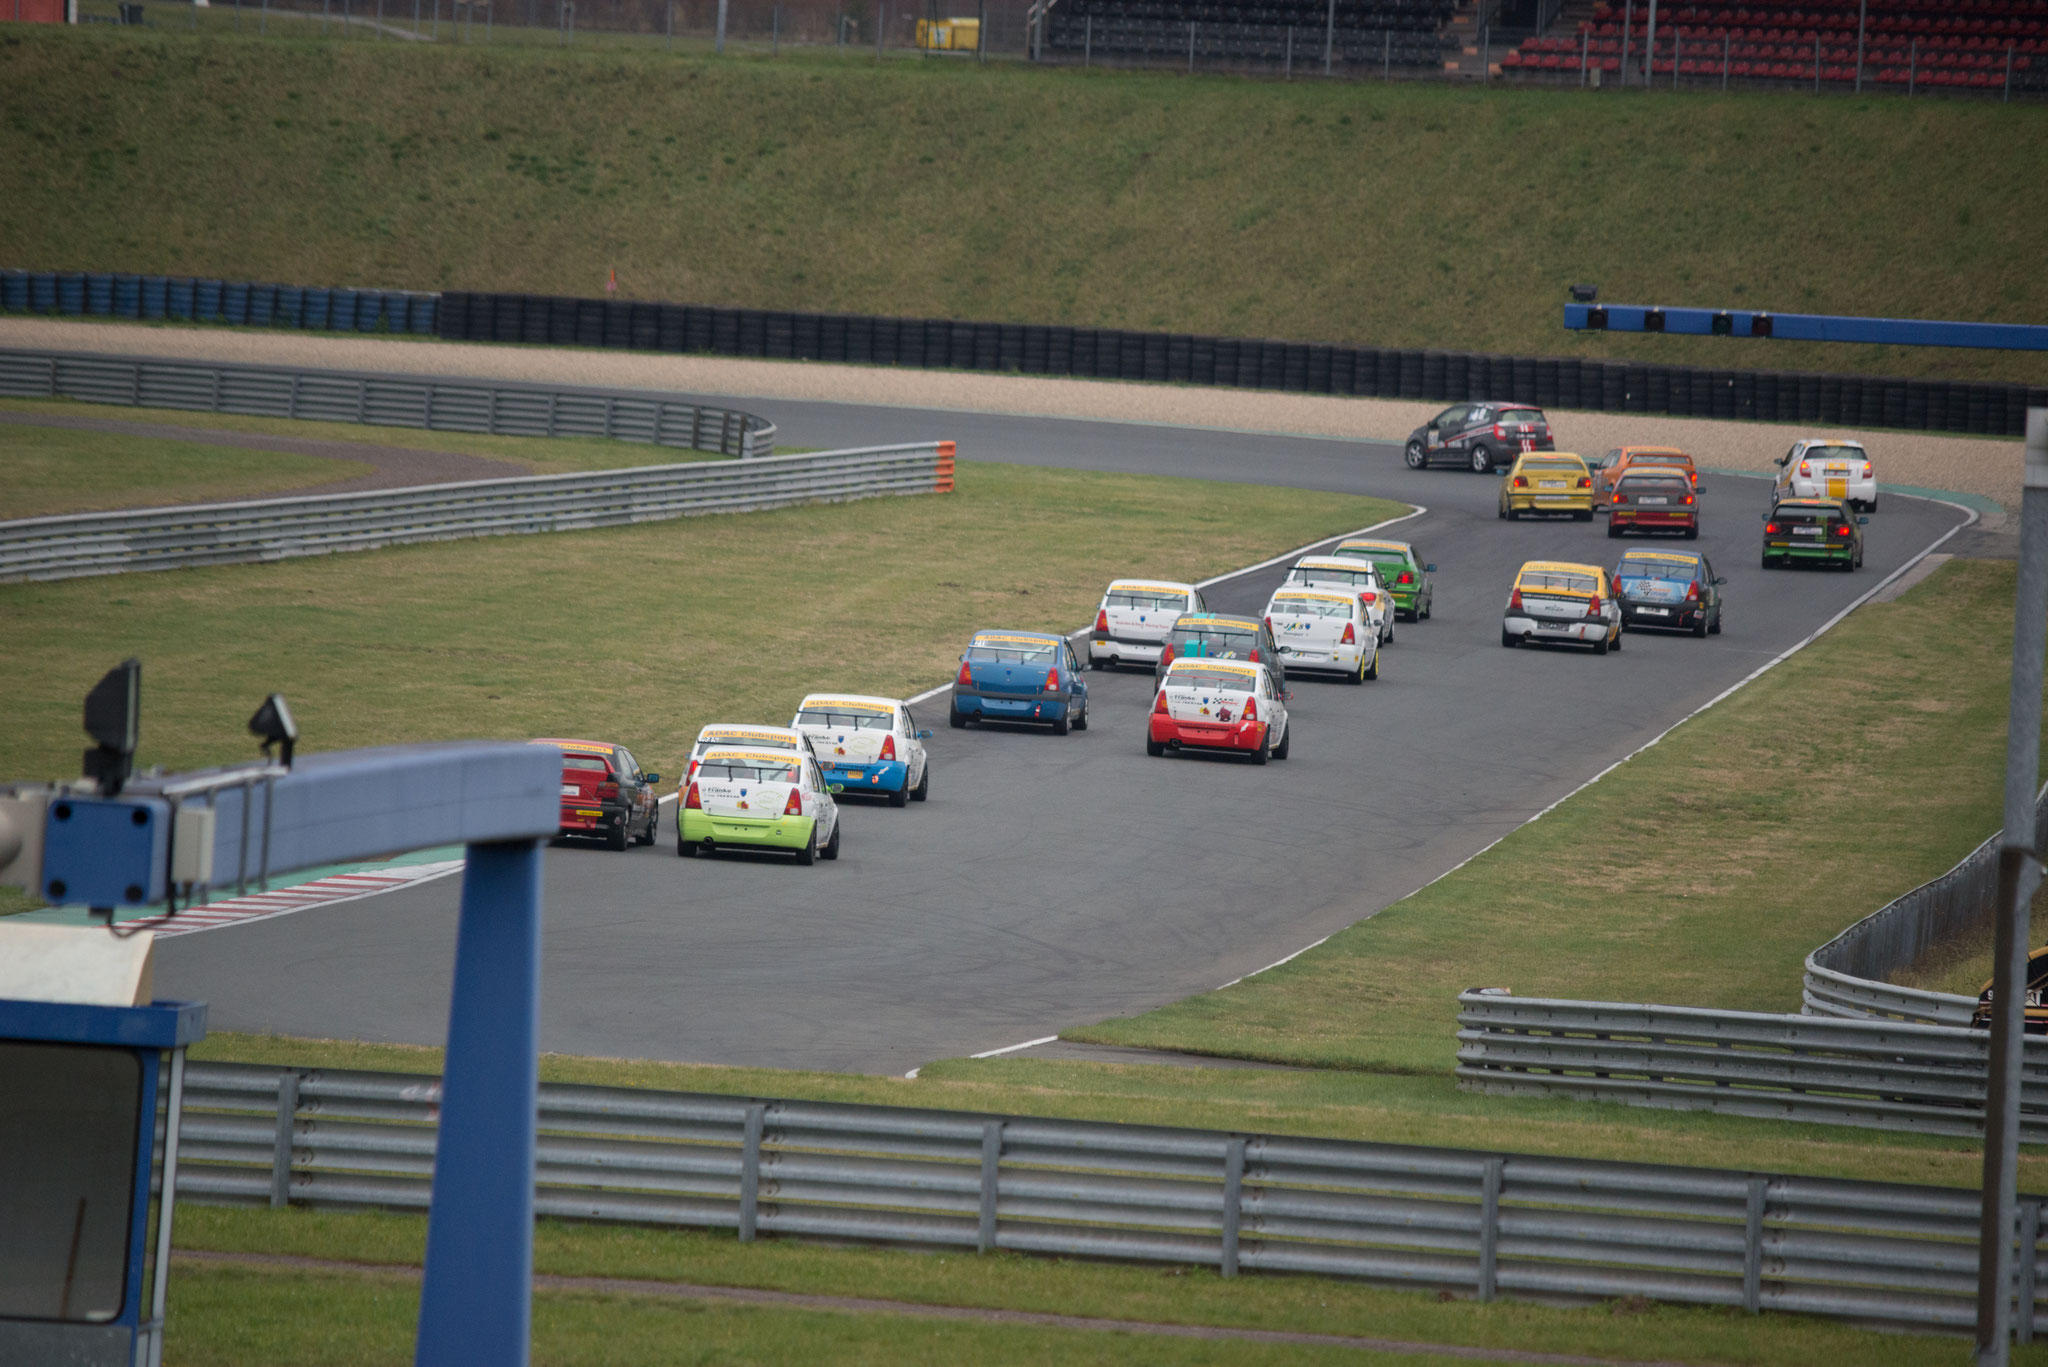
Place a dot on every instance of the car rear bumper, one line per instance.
(1798, 550)
(1046, 707)
(1234, 735)
(884, 776)
(1125, 649)
(1662, 614)
(1587, 630)
(1581, 502)
(1651, 519)
(1341, 660)
(592, 818)
(1855, 490)
(776, 832)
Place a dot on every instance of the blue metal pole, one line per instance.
(477, 1299)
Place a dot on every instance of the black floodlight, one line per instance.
(113, 715)
(273, 725)
(1723, 324)
(1760, 325)
(1585, 294)
(1596, 318)
(1653, 320)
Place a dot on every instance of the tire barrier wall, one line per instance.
(442, 404)
(1875, 1074)
(1438, 376)
(238, 303)
(1465, 1222)
(1845, 976)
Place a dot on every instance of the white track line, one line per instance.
(1006, 1049)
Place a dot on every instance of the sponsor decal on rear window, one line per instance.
(713, 734)
(1133, 586)
(1216, 667)
(724, 756)
(847, 705)
(1310, 596)
(585, 762)
(1557, 581)
(997, 638)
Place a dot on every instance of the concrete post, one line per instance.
(1862, 17)
(1329, 36)
(1650, 47)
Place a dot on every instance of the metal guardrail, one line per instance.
(1893, 1075)
(442, 404)
(82, 544)
(1846, 976)
(1468, 1222)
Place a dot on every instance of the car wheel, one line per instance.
(1613, 531)
(1428, 608)
(1501, 512)
(1600, 646)
(1081, 722)
(1768, 563)
(1692, 533)
(1372, 671)
(1094, 664)
(616, 838)
(1060, 726)
(1701, 627)
(1265, 750)
(1616, 643)
(1155, 748)
(1586, 516)
(1507, 638)
(809, 853)
(1356, 676)
(1415, 456)
(1715, 626)
(684, 849)
(647, 836)
(1482, 460)
(1389, 638)
(831, 850)
(899, 798)
(1286, 742)
(924, 784)
(956, 719)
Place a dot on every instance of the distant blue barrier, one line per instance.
(1806, 327)
(241, 303)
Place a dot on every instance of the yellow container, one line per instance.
(949, 35)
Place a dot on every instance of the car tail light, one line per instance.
(1254, 656)
(1688, 498)
(1269, 624)
(693, 770)
(1771, 529)
(1251, 710)
(1500, 433)
(1804, 469)
(966, 675)
(605, 790)
(1166, 655)
(1694, 475)
(1350, 637)
(1052, 679)
(1620, 497)
(1585, 481)
(1843, 530)
(1866, 469)
(1594, 607)
(1692, 592)
(1159, 704)
(795, 805)
(1102, 620)
(692, 801)
(1515, 600)
(888, 747)
(1368, 598)
(1521, 481)
(1406, 578)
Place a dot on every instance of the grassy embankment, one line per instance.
(1402, 215)
(66, 470)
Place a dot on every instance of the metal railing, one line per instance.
(1893, 1075)
(273, 529)
(499, 407)
(1846, 976)
(1469, 1222)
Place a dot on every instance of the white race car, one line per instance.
(1222, 705)
(1828, 467)
(1345, 574)
(1324, 630)
(868, 745)
(756, 798)
(759, 736)
(1135, 618)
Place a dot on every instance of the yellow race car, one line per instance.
(1547, 482)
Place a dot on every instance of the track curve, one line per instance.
(1052, 881)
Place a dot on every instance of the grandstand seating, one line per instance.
(1405, 33)
(1961, 44)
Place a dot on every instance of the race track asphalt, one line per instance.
(1055, 881)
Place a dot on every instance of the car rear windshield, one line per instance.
(1386, 560)
(1146, 602)
(1834, 453)
(1516, 417)
(1214, 640)
(1632, 568)
(1560, 581)
(597, 762)
(1310, 607)
(1672, 481)
(765, 742)
(754, 771)
(1659, 458)
(1013, 654)
(1205, 678)
(1804, 517)
(844, 720)
(1300, 575)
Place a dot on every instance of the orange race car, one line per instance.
(1616, 463)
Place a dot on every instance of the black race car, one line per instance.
(1479, 436)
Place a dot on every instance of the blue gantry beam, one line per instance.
(1805, 327)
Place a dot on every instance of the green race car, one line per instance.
(759, 799)
(1402, 570)
(1820, 530)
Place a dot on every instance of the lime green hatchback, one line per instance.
(1402, 570)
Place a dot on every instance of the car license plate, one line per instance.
(1806, 531)
(581, 811)
(1553, 626)
(569, 790)
(1550, 484)
(856, 773)
(1655, 612)
(1653, 499)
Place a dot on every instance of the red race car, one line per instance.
(1650, 498)
(604, 794)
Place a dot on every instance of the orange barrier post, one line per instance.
(943, 483)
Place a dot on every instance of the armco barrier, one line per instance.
(1846, 976)
(279, 528)
(239, 303)
(1892, 1075)
(1445, 376)
(1460, 1221)
(502, 407)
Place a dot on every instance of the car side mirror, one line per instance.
(1429, 569)
(1286, 695)
(1763, 517)
(924, 735)
(650, 778)
(1720, 579)
(835, 787)
(1863, 522)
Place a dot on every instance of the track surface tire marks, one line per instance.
(1053, 881)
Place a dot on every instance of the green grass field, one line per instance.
(1404, 215)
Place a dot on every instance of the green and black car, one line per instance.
(1402, 570)
(1815, 530)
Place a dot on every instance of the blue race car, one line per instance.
(1020, 676)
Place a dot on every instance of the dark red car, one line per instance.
(1654, 498)
(604, 794)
